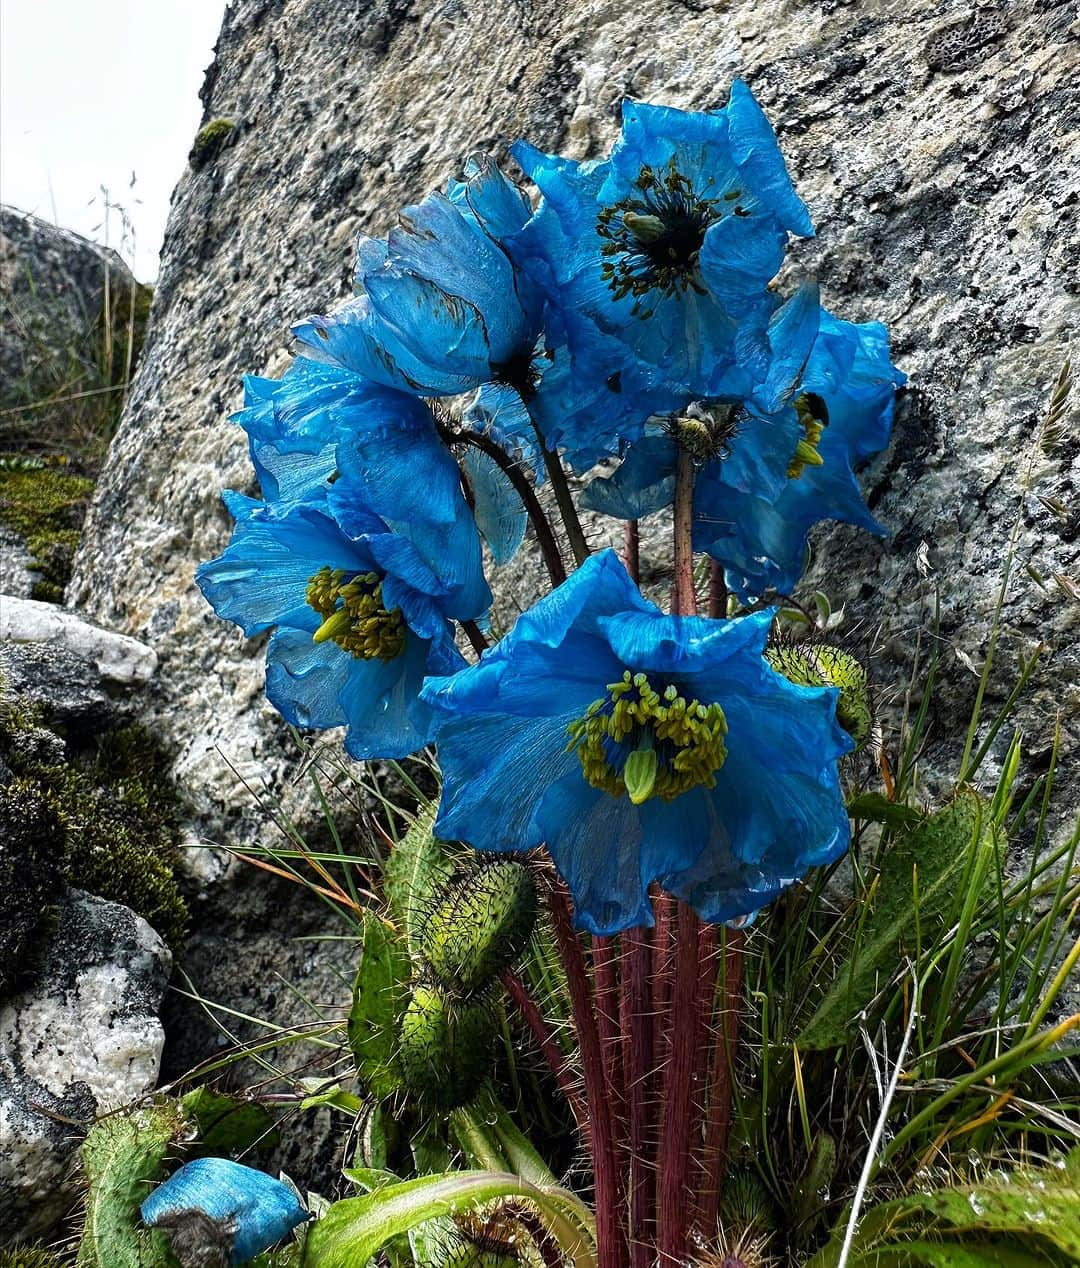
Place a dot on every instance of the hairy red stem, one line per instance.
(683, 596)
(632, 550)
(607, 1021)
(718, 592)
(718, 1118)
(635, 1012)
(674, 1197)
(545, 1041)
(607, 1175)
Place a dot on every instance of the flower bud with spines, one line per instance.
(480, 926)
(445, 1046)
(823, 665)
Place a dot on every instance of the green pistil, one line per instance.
(671, 744)
(813, 418)
(652, 239)
(353, 614)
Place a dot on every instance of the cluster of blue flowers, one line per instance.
(629, 315)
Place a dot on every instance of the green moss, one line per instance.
(31, 873)
(45, 505)
(116, 815)
(209, 141)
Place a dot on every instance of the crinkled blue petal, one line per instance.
(258, 1209)
(261, 578)
(497, 507)
(642, 483)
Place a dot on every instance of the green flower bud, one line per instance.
(480, 926)
(445, 1046)
(823, 665)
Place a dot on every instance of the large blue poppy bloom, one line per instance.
(731, 769)
(670, 242)
(361, 583)
(249, 1210)
(442, 310)
(779, 472)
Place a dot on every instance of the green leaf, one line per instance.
(1026, 1219)
(939, 852)
(123, 1157)
(874, 808)
(336, 1097)
(416, 869)
(228, 1124)
(378, 996)
(355, 1229)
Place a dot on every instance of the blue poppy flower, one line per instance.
(641, 747)
(670, 242)
(842, 416)
(443, 310)
(774, 474)
(215, 1204)
(361, 583)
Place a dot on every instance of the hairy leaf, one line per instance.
(378, 995)
(415, 870)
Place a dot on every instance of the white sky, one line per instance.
(92, 91)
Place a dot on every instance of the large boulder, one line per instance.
(83, 1038)
(936, 145)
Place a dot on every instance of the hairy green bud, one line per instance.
(445, 1046)
(823, 665)
(480, 927)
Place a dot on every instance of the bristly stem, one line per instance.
(636, 1023)
(476, 637)
(683, 596)
(607, 1020)
(545, 1041)
(545, 537)
(674, 1196)
(718, 592)
(721, 1084)
(632, 550)
(565, 501)
(607, 1175)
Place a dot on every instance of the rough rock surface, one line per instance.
(83, 1039)
(52, 286)
(117, 658)
(936, 144)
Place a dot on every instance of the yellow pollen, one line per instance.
(686, 735)
(806, 451)
(353, 614)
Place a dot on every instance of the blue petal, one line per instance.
(497, 204)
(644, 481)
(792, 333)
(261, 578)
(261, 1209)
(497, 507)
(386, 717)
(755, 149)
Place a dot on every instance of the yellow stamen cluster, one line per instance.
(687, 736)
(813, 425)
(353, 614)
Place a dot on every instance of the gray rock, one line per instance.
(935, 144)
(16, 576)
(52, 289)
(116, 658)
(84, 1039)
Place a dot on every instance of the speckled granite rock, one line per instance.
(84, 1038)
(52, 286)
(935, 142)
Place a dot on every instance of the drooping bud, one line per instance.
(480, 927)
(445, 1046)
(823, 665)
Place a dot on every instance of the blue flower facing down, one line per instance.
(777, 473)
(361, 583)
(670, 243)
(641, 747)
(842, 416)
(214, 1205)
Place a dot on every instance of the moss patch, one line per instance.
(117, 813)
(31, 874)
(29, 1257)
(45, 504)
(209, 141)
